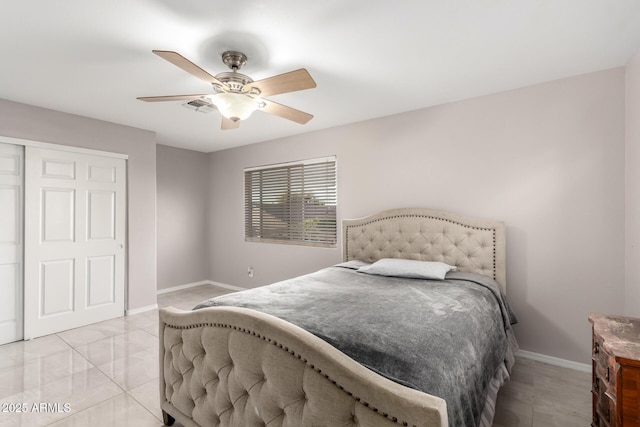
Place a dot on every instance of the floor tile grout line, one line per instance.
(117, 335)
(100, 339)
(87, 360)
(141, 404)
(119, 359)
(122, 357)
(90, 342)
(96, 403)
(41, 384)
(63, 340)
(87, 408)
(110, 379)
(98, 366)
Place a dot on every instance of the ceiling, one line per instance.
(369, 58)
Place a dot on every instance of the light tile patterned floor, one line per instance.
(107, 373)
(541, 395)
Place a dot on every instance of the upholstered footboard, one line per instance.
(229, 366)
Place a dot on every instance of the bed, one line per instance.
(343, 347)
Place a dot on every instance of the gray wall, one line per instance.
(632, 158)
(40, 124)
(547, 159)
(182, 216)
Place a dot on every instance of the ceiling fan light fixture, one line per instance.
(235, 106)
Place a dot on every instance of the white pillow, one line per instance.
(413, 269)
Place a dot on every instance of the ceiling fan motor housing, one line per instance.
(234, 59)
(234, 81)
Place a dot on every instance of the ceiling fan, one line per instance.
(236, 95)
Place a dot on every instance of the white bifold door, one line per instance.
(74, 265)
(11, 241)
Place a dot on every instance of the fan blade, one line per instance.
(170, 98)
(188, 66)
(228, 124)
(283, 83)
(286, 112)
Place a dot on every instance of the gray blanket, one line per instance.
(446, 338)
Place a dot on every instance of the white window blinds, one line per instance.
(292, 203)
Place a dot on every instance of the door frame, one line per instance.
(60, 147)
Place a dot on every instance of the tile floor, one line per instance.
(106, 374)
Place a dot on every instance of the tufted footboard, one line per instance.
(228, 366)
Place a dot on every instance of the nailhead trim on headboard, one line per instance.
(299, 357)
(430, 217)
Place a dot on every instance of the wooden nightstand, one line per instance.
(615, 359)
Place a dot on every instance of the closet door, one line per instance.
(11, 241)
(75, 240)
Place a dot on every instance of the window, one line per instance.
(292, 203)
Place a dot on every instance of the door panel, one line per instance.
(75, 239)
(102, 173)
(8, 277)
(57, 221)
(10, 201)
(59, 169)
(11, 242)
(56, 287)
(101, 280)
(101, 215)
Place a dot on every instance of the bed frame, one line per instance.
(229, 366)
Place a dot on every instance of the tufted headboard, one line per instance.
(472, 245)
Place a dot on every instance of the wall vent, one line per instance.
(201, 105)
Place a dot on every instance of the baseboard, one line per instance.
(202, 282)
(180, 287)
(556, 361)
(141, 309)
(225, 286)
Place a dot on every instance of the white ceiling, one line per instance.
(369, 58)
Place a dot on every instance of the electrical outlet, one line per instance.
(250, 271)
